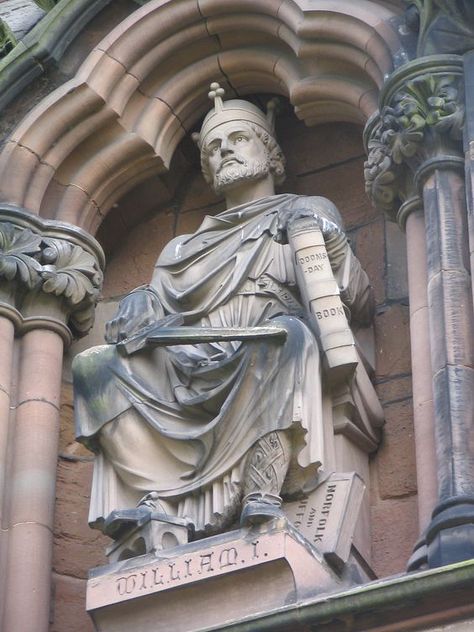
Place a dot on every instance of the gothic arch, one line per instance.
(119, 120)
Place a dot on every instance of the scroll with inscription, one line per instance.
(320, 293)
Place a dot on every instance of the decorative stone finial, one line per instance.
(216, 93)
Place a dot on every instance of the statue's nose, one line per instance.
(225, 147)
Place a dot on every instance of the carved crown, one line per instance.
(235, 110)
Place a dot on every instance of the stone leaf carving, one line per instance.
(71, 272)
(443, 26)
(427, 101)
(380, 172)
(54, 266)
(19, 249)
(425, 115)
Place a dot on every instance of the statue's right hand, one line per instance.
(136, 310)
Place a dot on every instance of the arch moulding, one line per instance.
(119, 120)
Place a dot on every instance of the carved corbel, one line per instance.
(51, 274)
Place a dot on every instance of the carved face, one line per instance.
(235, 154)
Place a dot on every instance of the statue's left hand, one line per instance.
(137, 310)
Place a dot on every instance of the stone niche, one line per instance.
(328, 161)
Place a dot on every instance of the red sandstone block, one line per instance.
(396, 271)
(395, 459)
(394, 389)
(311, 148)
(69, 605)
(198, 194)
(394, 533)
(133, 262)
(368, 243)
(392, 340)
(77, 548)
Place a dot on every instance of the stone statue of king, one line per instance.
(207, 403)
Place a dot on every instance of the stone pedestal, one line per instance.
(212, 582)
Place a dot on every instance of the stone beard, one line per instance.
(245, 171)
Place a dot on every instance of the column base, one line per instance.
(449, 537)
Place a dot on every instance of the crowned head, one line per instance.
(237, 143)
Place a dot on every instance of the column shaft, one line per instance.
(33, 479)
(7, 334)
(469, 149)
(451, 328)
(450, 536)
(423, 411)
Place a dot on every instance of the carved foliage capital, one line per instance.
(422, 119)
(34, 263)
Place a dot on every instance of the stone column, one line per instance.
(469, 149)
(50, 277)
(411, 219)
(415, 147)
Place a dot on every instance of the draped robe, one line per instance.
(181, 420)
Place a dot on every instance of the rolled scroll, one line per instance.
(320, 294)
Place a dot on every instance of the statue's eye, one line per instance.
(240, 139)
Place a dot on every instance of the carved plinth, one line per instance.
(152, 532)
(211, 582)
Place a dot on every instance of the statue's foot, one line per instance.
(121, 521)
(152, 501)
(260, 507)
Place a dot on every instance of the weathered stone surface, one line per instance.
(394, 389)
(369, 245)
(396, 271)
(188, 586)
(392, 339)
(132, 263)
(197, 193)
(329, 516)
(396, 456)
(350, 199)
(314, 148)
(77, 547)
(20, 15)
(68, 607)
(394, 529)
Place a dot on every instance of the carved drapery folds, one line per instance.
(420, 121)
(53, 274)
